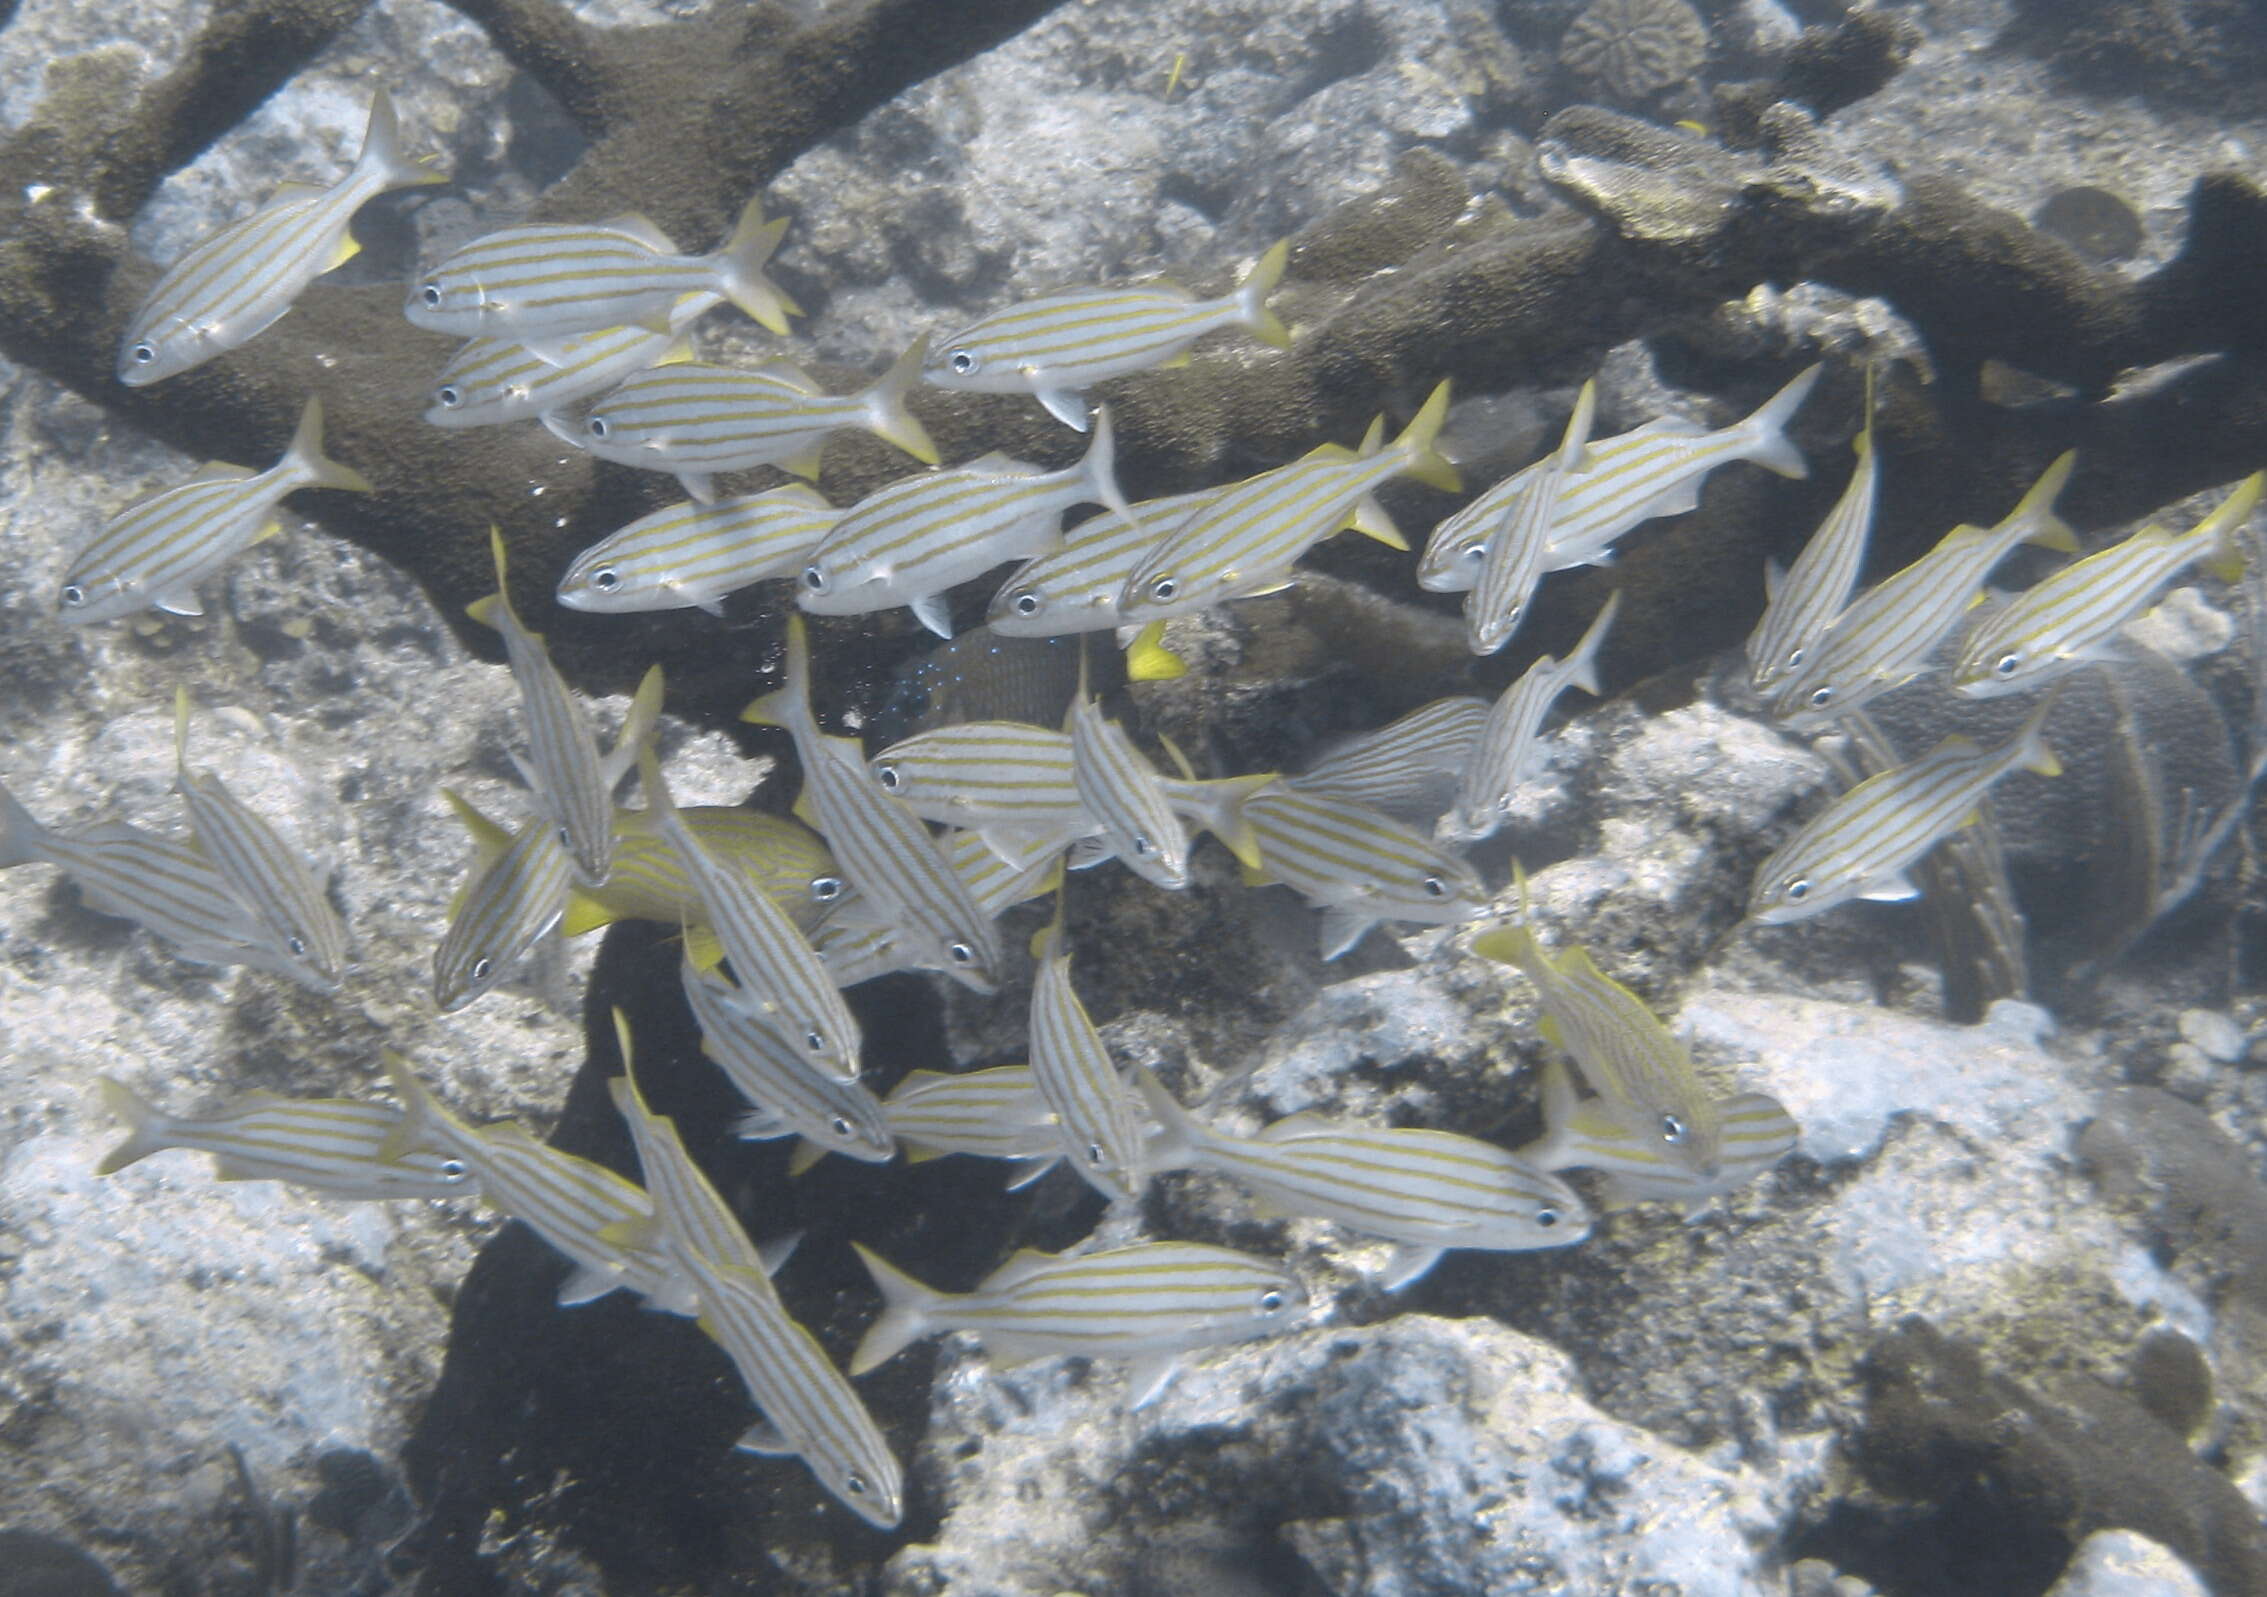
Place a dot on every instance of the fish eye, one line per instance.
(963, 362)
(1271, 1301)
(1672, 1129)
(1476, 553)
(814, 579)
(889, 777)
(453, 1170)
(142, 354)
(605, 579)
(297, 945)
(960, 953)
(826, 889)
(840, 1126)
(1027, 604)
(1795, 891)
(855, 1484)
(1435, 887)
(1795, 657)
(598, 428)
(565, 841)
(482, 969)
(431, 295)
(2007, 665)
(74, 596)
(1821, 698)
(1095, 1155)
(449, 396)
(1143, 847)
(1163, 589)
(1546, 1217)
(815, 1040)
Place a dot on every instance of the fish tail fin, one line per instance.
(1773, 450)
(886, 415)
(1179, 1136)
(1582, 665)
(740, 268)
(658, 798)
(1101, 465)
(488, 838)
(904, 1320)
(422, 1115)
(787, 705)
(382, 152)
(2036, 512)
(2031, 750)
(2226, 560)
(145, 1126)
(1218, 807)
(305, 455)
(1512, 945)
(1148, 660)
(1418, 441)
(636, 733)
(1252, 292)
(23, 840)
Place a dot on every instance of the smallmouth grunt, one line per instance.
(1075, 588)
(541, 283)
(1148, 1304)
(885, 849)
(810, 1409)
(1888, 633)
(236, 283)
(154, 553)
(1407, 769)
(691, 556)
(339, 1147)
(265, 874)
(998, 1113)
(859, 943)
(1126, 796)
(1055, 347)
(2068, 618)
(1251, 535)
(786, 1096)
(1508, 749)
(1651, 471)
(1358, 866)
(1862, 843)
(699, 420)
(1583, 1134)
(1805, 599)
(491, 381)
(1424, 1191)
(1514, 549)
(909, 541)
(1094, 1112)
(517, 892)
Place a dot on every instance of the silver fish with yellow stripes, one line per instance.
(885, 850)
(779, 983)
(1643, 1075)
(1248, 538)
(1579, 1133)
(1513, 555)
(155, 552)
(1148, 1304)
(563, 767)
(491, 381)
(810, 1409)
(691, 556)
(1654, 470)
(335, 1146)
(1888, 634)
(1508, 750)
(1094, 1111)
(1805, 599)
(859, 942)
(699, 420)
(162, 883)
(1127, 798)
(541, 283)
(1055, 347)
(998, 1113)
(1075, 588)
(265, 874)
(910, 541)
(1862, 844)
(517, 893)
(1424, 1191)
(1358, 866)
(1006, 778)
(238, 282)
(1407, 769)
(572, 1203)
(2068, 619)
(780, 855)
(772, 1072)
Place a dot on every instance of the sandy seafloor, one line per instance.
(1671, 1407)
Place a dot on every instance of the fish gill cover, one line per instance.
(1766, 230)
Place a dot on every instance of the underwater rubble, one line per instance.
(1991, 1324)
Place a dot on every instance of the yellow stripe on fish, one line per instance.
(774, 1072)
(780, 855)
(1508, 748)
(517, 893)
(1125, 794)
(495, 380)
(1052, 348)
(336, 1146)
(1094, 1112)
(1359, 866)
(1757, 1132)
(234, 284)
(1075, 588)
(1511, 563)
(691, 556)
(1805, 599)
(1405, 769)
(1148, 1303)
(998, 1113)
(155, 552)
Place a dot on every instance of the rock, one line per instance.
(2117, 1563)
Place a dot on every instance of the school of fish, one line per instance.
(906, 857)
